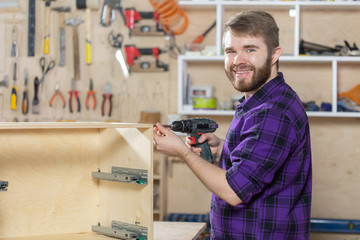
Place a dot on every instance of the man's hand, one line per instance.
(216, 144)
(168, 142)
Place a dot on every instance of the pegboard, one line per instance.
(141, 91)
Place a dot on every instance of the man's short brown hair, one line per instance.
(255, 23)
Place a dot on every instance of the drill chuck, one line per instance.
(178, 126)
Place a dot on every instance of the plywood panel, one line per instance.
(51, 189)
(50, 184)
(134, 204)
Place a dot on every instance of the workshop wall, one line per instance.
(335, 142)
(139, 92)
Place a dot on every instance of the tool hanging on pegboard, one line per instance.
(25, 100)
(88, 5)
(74, 94)
(31, 28)
(14, 52)
(47, 26)
(75, 22)
(13, 95)
(36, 101)
(133, 53)
(108, 12)
(116, 40)
(62, 35)
(132, 16)
(107, 101)
(90, 97)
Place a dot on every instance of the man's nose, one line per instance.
(238, 59)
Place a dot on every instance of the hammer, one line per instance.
(87, 5)
(46, 27)
(62, 11)
(74, 22)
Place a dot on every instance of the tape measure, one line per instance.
(31, 29)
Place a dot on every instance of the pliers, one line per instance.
(107, 96)
(57, 93)
(74, 93)
(91, 94)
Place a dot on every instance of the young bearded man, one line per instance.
(262, 186)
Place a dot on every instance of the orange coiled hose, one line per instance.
(171, 16)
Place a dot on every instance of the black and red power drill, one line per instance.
(133, 53)
(195, 127)
(132, 16)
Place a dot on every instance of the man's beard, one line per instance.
(260, 76)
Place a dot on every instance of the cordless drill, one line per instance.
(195, 127)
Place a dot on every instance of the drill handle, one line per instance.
(205, 148)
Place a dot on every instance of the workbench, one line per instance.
(177, 230)
(162, 231)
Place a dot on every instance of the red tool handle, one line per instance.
(106, 96)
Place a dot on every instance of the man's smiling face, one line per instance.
(247, 62)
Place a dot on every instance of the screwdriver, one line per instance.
(13, 97)
(201, 37)
(35, 101)
(25, 101)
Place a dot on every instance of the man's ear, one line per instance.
(276, 54)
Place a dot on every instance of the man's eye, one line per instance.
(250, 50)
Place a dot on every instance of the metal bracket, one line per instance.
(3, 185)
(119, 174)
(122, 230)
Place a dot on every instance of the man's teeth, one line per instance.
(243, 71)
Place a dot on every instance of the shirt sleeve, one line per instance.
(265, 142)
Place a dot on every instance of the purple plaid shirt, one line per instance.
(267, 156)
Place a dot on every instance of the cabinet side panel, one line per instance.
(51, 190)
(125, 202)
(336, 168)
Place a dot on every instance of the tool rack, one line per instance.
(76, 180)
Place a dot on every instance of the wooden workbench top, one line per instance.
(61, 125)
(177, 230)
(162, 231)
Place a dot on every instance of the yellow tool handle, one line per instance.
(88, 52)
(46, 44)
(47, 30)
(13, 98)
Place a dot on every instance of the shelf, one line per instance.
(333, 72)
(183, 61)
